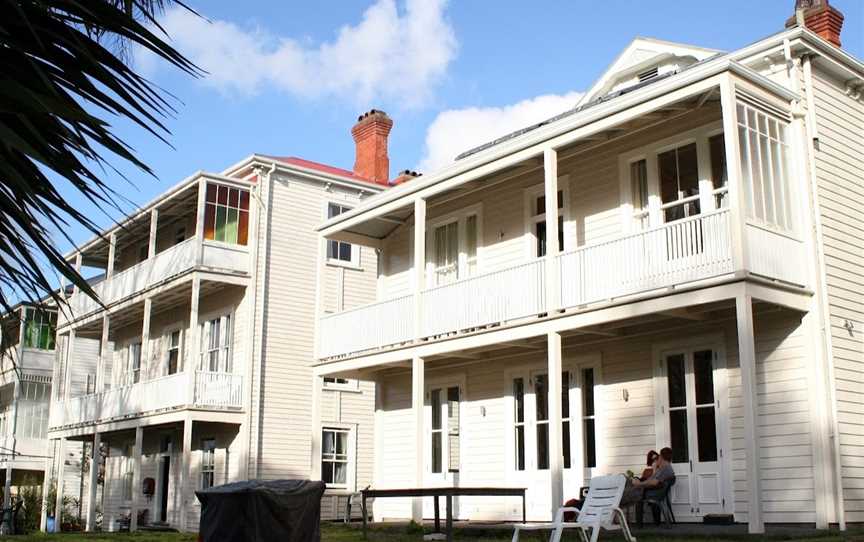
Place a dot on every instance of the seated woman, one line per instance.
(651, 459)
(637, 490)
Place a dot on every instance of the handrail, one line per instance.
(366, 306)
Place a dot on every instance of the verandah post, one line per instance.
(556, 449)
(747, 363)
(417, 400)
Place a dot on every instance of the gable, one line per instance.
(641, 56)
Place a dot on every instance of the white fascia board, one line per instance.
(478, 165)
(309, 173)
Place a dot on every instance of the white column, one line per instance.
(79, 260)
(46, 486)
(556, 450)
(145, 340)
(93, 482)
(67, 369)
(747, 362)
(104, 357)
(419, 263)
(137, 451)
(186, 483)
(154, 225)
(191, 364)
(112, 254)
(315, 457)
(418, 393)
(550, 170)
(737, 201)
(199, 220)
(706, 186)
(58, 504)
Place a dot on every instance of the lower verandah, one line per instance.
(475, 444)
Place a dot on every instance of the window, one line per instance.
(565, 417)
(135, 362)
(538, 222)
(33, 401)
(541, 396)
(589, 426)
(217, 338)
(453, 428)
(172, 363)
(679, 182)
(334, 456)
(764, 167)
(453, 245)
(437, 432)
(338, 250)
(519, 423)
(180, 235)
(677, 389)
(639, 192)
(128, 466)
(39, 329)
(143, 253)
(719, 178)
(226, 214)
(208, 463)
(335, 382)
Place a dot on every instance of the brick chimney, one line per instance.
(370, 138)
(821, 18)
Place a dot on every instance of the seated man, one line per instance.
(637, 490)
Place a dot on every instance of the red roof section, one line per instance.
(324, 168)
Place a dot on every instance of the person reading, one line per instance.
(637, 490)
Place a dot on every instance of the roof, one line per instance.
(580, 108)
(324, 168)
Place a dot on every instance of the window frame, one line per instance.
(354, 262)
(351, 461)
(203, 362)
(460, 216)
(52, 328)
(708, 193)
(248, 211)
(208, 462)
(166, 337)
(530, 196)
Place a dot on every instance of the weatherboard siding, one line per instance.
(840, 186)
(283, 425)
(627, 426)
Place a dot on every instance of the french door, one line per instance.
(691, 387)
(443, 441)
(530, 426)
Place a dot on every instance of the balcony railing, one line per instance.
(211, 390)
(684, 251)
(164, 266)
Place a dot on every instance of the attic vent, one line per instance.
(648, 75)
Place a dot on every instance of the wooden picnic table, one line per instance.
(448, 493)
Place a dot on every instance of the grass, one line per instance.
(398, 533)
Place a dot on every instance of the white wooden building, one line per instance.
(26, 365)
(195, 369)
(704, 293)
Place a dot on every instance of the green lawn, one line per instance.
(340, 533)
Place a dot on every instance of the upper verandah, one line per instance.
(377, 217)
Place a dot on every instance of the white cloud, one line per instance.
(457, 130)
(392, 53)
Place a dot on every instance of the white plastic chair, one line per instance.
(599, 512)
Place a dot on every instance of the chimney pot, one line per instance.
(370, 139)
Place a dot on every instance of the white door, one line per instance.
(690, 418)
(529, 441)
(581, 428)
(443, 441)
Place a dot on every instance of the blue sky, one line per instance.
(290, 78)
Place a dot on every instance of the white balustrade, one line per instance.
(164, 393)
(775, 255)
(165, 265)
(370, 326)
(679, 252)
(218, 389)
(491, 298)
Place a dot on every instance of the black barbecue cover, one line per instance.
(261, 511)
